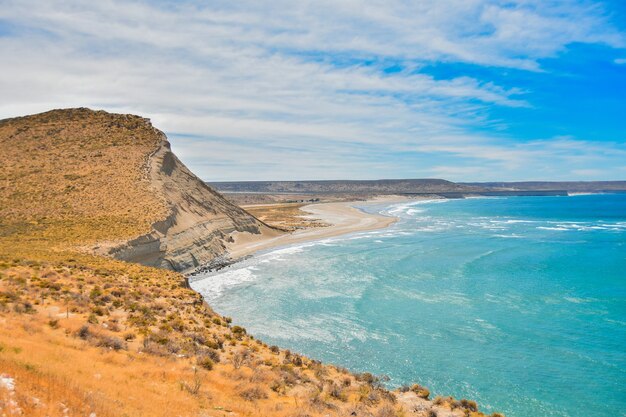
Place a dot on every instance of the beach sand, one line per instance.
(342, 217)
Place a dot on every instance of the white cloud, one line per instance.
(253, 82)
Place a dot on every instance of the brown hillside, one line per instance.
(113, 178)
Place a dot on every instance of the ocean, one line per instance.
(518, 303)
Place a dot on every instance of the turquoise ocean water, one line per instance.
(518, 303)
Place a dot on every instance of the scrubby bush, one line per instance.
(239, 331)
(253, 394)
(296, 360)
(469, 405)
(335, 391)
(84, 332)
(240, 358)
(205, 362)
(366, 377)
(278, 387)
(386, 411)
(421, 391)
(111, 343)
(193, 386)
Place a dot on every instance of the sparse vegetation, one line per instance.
(286, 216)
(421, 391)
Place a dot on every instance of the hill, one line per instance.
(112, 178)
(567, 186)
(373, 187)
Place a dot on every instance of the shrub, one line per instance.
(212, 344)
(373, 397)
(469, 405)
(366, 377)
(84, 332)
(386, 411)
(335, 391)
(210, 353)
(205, 362)
(241, 358)
(253, 394)
(297, 360)
(274, 349)
(317, 402)
(239, 331)
(54, 323)
(421, 391)
(278, 387)
(129, 336)
(439, 400)
(192, 387)
(152, 348)
(111, 343)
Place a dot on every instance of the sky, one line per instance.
(466, 90)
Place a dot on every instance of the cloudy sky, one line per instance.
(287, 89)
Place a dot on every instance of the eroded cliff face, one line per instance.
(199, 224)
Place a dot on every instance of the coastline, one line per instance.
(343, 218)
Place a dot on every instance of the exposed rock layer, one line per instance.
(199, 223)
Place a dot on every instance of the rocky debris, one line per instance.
(216, 264)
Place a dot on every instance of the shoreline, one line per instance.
(343, 218)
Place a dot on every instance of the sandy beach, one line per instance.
(343, 218)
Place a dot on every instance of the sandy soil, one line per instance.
(342, 217)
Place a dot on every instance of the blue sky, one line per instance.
(466, 90)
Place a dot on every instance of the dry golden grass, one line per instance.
(284, 216)
(81, 334)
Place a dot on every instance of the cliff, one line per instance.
(199, 223)
(119, 171)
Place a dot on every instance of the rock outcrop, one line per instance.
(198, 226)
